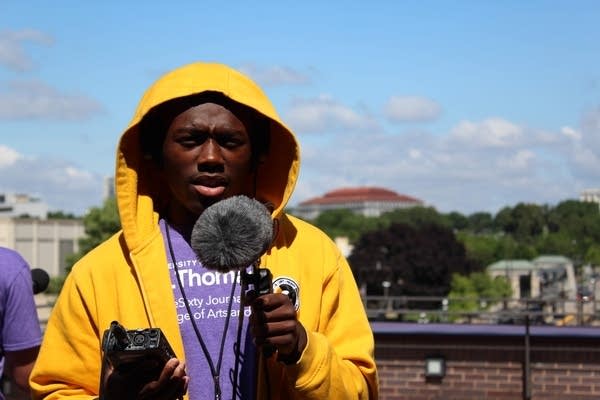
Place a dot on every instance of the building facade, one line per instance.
(19, 204)
(549, 279)
(367, 201)
(590, 195)
(43, 243)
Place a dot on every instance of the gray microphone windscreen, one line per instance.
(232, 234)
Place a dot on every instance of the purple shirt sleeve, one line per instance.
(20, 327)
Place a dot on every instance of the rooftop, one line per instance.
(360, 194)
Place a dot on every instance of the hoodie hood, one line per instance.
(137, 191)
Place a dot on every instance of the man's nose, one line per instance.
(210, 152)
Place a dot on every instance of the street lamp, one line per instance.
(386, 288)
(389, 309)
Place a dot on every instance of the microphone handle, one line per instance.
(260, 280)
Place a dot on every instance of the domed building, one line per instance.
(368, 201)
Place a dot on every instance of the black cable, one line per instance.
(266, 374)
(214, 371)
(237, 352)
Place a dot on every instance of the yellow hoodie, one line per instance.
(125, 278)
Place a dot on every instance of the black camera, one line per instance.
(126, 349)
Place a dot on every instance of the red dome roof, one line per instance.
(360, 194)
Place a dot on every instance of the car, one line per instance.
(584, 294)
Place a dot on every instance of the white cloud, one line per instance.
(475, 166)
(570, 133)
(585, 147)
(519, 160)
(276, 75)
(12, 51)
(325, 115)
(411, 108)
(62, 185)
(8, 156)
(492, 132)
(36, 100)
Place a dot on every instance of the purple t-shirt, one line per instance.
(212, 305)
(19, 324)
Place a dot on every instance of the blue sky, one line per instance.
(467, 105)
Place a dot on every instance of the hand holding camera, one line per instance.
(140, 364)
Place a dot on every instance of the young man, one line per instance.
(20, 333)
(201, 134)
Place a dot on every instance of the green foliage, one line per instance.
(415, 216)
(60, 215)
(458, 221)
(55, 284)
(481, 248)
(415, 260)
(592, 255)
(463, 296)
(403, 256)
(481, 222)
(336, 223)
(523, 222)
(525, 231)
(476, 291)
(507, 247)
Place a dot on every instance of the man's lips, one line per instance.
(208, 191)
(210, 186)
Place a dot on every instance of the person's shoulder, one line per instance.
(300, 224)
(8, 255)
(12, 262)
(303, 230)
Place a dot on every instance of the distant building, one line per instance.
(43, 244)
(108, 189)
(590, 195)
(368, 201)
(19, 205)
(548, 278)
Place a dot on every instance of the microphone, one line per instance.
(40, 280)
(232, 234)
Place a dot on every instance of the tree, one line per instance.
(60, 215)
(509, 248)
(523, 222)
(477, 291)
(415, 216)
(578, 226)
(480, 248)
(336, 223)
(592, 256)
(414, 260)
(457, 221)
(481, 222)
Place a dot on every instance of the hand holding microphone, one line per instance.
(274, 322)
(233, 234)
